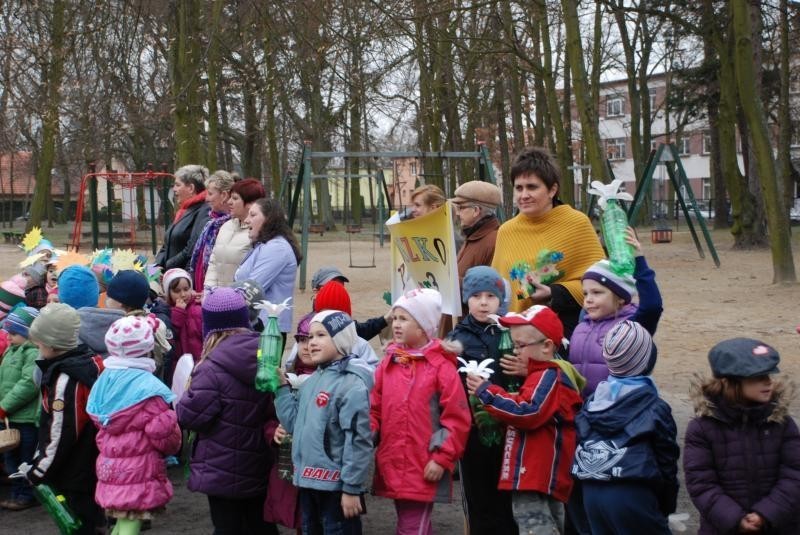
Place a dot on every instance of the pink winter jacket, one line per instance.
(418, 413)
(131, 473)
(188, 326)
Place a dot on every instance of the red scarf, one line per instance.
(191, 201)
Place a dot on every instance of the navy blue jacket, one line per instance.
(632, 440)
(480, 341)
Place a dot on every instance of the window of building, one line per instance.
(652, 99)
(706, 143)
(615, 148)
(685, 146)
(706, 182)
(614, 107)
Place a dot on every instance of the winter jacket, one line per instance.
(418, 413)
(137, 428)
(181, 236)
(230, 456)
(94, 325)
(274, 266)
(739, 460)
(66, 453)
(231, 247)
(478, 248)
(540, 439)
(586, 343)
(19, 394)
(187, 329)
(329, 421)
(626, 433)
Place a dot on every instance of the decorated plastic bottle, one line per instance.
(506, 347)
(270, 349)
(56, 506)
(614, 224)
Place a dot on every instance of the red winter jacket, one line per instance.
(418, 412)
(187, 326)
(540, 440)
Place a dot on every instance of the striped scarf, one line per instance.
(201, 254)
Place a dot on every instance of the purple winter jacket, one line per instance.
(230, 455)
(742, 460)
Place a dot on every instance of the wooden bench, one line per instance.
(353, 229)
(317, 228)
(661, 235)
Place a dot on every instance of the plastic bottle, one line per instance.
(506, 347)
(56, 506)
(614, 225)
(270, 349)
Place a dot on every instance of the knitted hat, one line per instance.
(224, 309)
(303, 325)
(130, 337)
(628, 350)
(10, 294)
(78, 287)
(325, 274)
(129, 288)
(341, 327)
(425, 306)
(482, 279)
(743, 357)
(172, 275)
(623, 286)
(56, 326)
(477, 191)
(252, 293)
(19, 320)
(37, 272)
(333, 296)
(542, 318)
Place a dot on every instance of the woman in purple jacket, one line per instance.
(742, 452)
(234, 422)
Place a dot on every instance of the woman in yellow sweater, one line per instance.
(547, 247)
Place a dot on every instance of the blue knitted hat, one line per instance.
(19, 320)
(129, 288)
(482, 279)
(78, 287)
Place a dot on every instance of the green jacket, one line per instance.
(19, 395)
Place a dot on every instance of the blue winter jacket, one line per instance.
(627, 433)
(329, 421)
(586, 343)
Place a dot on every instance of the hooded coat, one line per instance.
(94, 325)
(230, 455)
(739, 460)
(19, 395)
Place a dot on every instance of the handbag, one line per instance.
(9, 438)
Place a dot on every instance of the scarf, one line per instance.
(191, 201)
(204, 245)
(120, 388)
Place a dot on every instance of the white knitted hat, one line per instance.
(130, 337)
(425, 306)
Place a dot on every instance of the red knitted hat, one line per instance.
(543, 318)
(333, 296)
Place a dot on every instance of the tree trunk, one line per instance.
(785, 182)
(271, 131)
(212, 68)
(185, 69)
(746, 73)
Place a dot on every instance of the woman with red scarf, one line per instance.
(190, 196)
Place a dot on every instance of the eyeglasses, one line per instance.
(520, 347)
(460, 207)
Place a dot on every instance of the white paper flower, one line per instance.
(472, 367)
(608, 191)
(273, 309)
(677, 521)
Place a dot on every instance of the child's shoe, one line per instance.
(18, 504)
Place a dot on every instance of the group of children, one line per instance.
(539, 424)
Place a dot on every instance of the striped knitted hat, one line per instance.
(19, 320)
(628, 350)
(624, 286)
(130, 337)
(224, 309)
(340, 327)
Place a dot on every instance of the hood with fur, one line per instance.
(775, 411)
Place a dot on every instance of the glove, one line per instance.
(22, 471)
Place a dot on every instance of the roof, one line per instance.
(24, 179)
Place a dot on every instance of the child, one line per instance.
(186, 313)
(66, 453)
(51, 282)
(35, 291)
(19, 401)
(742, 451)
(606, 302)
(137, 427)
(540, 439)
(627, 457)
(331, 448)
(418, 413)
(230, 458)
(487, 508)
(12, 292)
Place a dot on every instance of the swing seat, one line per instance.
(353, 229)
(661, 235)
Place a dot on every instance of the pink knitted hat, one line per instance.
(130, 337)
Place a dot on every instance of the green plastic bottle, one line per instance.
(56, 506)
(270, 349)
(614, 224)
(506, 347)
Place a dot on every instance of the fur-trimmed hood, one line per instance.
(775, 411)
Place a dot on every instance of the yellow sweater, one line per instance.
(564, 244)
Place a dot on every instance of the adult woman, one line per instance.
(547, 247)
(425, 199)
(190, 218)
(274, 258)
(232, 242)
(218, 191)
